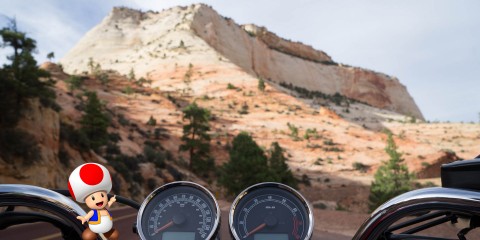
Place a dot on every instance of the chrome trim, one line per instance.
(44, 199)
(147, 200)
(437, 198)
(274, 185)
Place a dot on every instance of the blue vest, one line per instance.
(96, 218)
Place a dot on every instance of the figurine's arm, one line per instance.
(112, 200)
(86, 217)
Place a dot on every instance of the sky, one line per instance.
(431, 46)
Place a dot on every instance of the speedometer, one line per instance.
(270, 211)
(179, 211)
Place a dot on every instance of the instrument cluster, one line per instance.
(188, 211)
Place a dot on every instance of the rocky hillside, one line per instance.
(157, 63)
(156, 44)
(59, 146)
(188, 54)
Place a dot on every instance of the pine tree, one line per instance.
(95, 122)
(19, 78)
(196, 140)
(131, 75)
(391, 179)
(248, 165)
(91, 65)
(50, 56)
(279, 167)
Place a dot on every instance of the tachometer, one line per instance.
(270, 211)
(179, 211)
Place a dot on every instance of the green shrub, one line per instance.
(329, 142)
(313, 146)
(76, 139)
(311, 133)
(141, 81)
(137, 178)
(122, 120)
(360, 167)
(74, 82)
(177, 175)
(244, 109)
(293, 131)
(122, 169)
(332, 149)
(157, 133)
(154, 156)
(114, 137)
(64, 157)
(153, 144)
(320, 205)
(231, 86)
(152, 184)
(128, 90)
(113, 149)
(336, 98)
(18, 143)
(152, 121)
(306, 180)
(261, 84)
(103, 77)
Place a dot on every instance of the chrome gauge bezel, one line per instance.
(257, 186)
(157, 191)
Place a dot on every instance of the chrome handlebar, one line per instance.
(40, 198)
(443, 199)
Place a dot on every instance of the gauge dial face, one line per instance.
(270, 212)
(179, 212)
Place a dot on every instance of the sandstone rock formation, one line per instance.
(155, 44)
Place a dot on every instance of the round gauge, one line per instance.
(270, 211)
(179, 210)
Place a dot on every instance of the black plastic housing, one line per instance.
(461, 174)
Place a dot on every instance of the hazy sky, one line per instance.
(432, 46)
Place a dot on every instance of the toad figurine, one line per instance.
(90, 183)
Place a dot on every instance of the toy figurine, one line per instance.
(89, 183)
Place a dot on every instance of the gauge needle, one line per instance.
(169, 224)
(260, 227)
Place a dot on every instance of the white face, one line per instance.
(97, 200)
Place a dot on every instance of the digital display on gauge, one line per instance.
(178, 236)
(180, 211)
(270, 211)
(263, 236)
